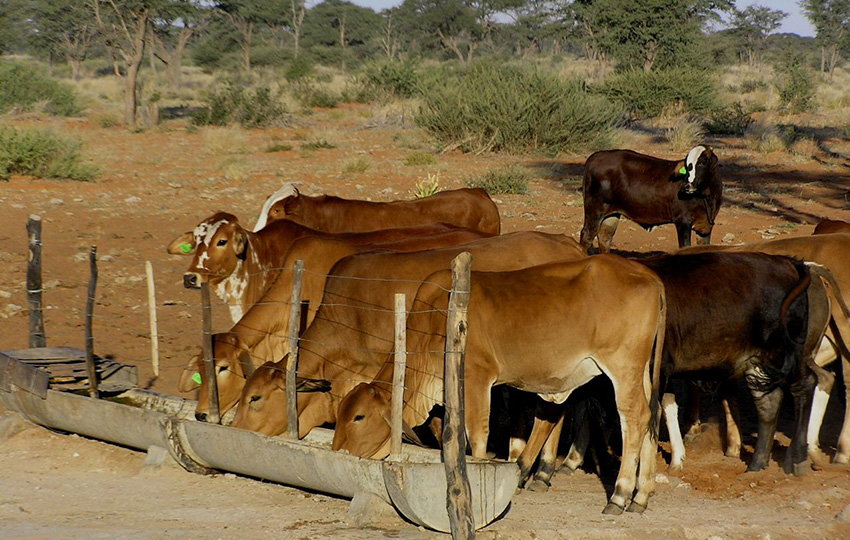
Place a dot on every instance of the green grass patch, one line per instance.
(317, 145)
(23, 86)
(278, 147)
(510, 179)
(42, 153)
(419, 158)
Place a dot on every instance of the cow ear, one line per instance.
(246, 363)
(292, 205)
(312, 385)
(182, 245)
(240, 243)
(680, 166)
(713, 162)
(191, 375)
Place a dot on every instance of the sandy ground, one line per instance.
(161, 182)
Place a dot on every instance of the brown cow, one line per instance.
(470, 208)
(353, 329)
(828, 226)
(262, 333)
(548, 330)
(651, 192)
(241, 265)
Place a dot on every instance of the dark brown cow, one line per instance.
(547, 330)
(651, 192)
(828, 226)
(470, 208)
(353, 329)
(262, 334)
(241, 265)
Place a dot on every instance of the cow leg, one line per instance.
(767, 406)
(548, 415)
(592, 220)
(634, 423)
(477, 404)
(802, 390)
(671, 416)
(733, 428)
(606, 233)
(842, 453)
(548, 456)
(646, 474)
(683, 231)
(578, 448)
(826, 354)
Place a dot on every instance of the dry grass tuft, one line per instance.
(225, 140)
(685, 134)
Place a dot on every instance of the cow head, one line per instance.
(290, 208)
(267, 213)
(262, 405)
(219, 245)
(699, 166)
(232, 366)
(362, 425)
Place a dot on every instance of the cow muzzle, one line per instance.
(201, 416)
(191, 280)
(688, 188)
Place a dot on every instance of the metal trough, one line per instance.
(415, 485)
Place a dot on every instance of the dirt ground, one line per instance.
(160, 182)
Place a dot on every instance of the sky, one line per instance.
(795, 23)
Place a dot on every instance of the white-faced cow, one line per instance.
(547, 330)
(470, 208)
(241, 265)
(352, 333)
(650, 191)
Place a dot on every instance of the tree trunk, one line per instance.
(133, 65)
(75, 67)
(246, 47)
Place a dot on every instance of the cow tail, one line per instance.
(655, 365)
(841, 315)
(794, 329)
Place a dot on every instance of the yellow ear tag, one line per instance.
(683, 171)
(185, 248)
(196, 377)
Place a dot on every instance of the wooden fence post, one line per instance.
(400, 364)
(37, 336)
(214, 416)
(292, 360)
(152, 312)
(90, 366)
(458, 492)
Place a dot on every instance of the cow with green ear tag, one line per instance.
(651, 191)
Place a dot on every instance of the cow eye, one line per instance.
(222, 242)
(255, 398)
(690, 166)
(359, 418)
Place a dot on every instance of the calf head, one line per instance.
(290, 207)
(699, 166)
(218, 246)
(262, 405)
(363, 426)
(270, 212)
(233, 365)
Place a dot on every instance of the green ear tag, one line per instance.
(683, 171)
(196, 377)
(185, 248)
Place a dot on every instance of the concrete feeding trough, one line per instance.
(415, 484)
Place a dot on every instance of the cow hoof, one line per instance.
(756, 467)
(842, 459)
(612, 509)
(799, 469)
(636, 508)
(675, 467)
(819, 460)
(732, 452)
(538, 485)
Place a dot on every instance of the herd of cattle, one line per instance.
(544, 318)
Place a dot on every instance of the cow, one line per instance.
(650, 191)
(352, 332)
(735, 315)
(241, 265)
(470, 208)
(548, 329)
(262, 334)
(827, 226)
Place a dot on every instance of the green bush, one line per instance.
(732, 120)
(751, 85)
(796, 87)
(504, 108)
(392, 79)
(23, 86)
(316, 96)
(43, 154)
(644, 94)
(511, 179)
(235, 104)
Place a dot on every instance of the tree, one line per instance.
(831, 19)
(247, 15)
(534, 21)
(61, 28)
(649, 34)
(752, 25)
(172, 29)
(339, 23)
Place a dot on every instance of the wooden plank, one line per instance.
(34, 290)
(292, 361)
(92, 371)
(458, 492)
(209, 362)
(29, 378)
(399, 366)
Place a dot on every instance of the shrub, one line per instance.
(732, 120)
(510, 179)
(235, 104)
(419, 158)
(644, 94)
(504, 108)
(751, 85)
(356, 165)
(766, 138)
(24, 86)
(316, 96)
(278, 147)
(685, 134)
(43, 154)
(392, 79)
(796, 88)
(427, 187)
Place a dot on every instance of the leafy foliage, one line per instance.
(645, 94)
(732, 120)
(502, 108)
(510, 179)
(796, 86)
(43, 154)
(23, 86)
(235, 104)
